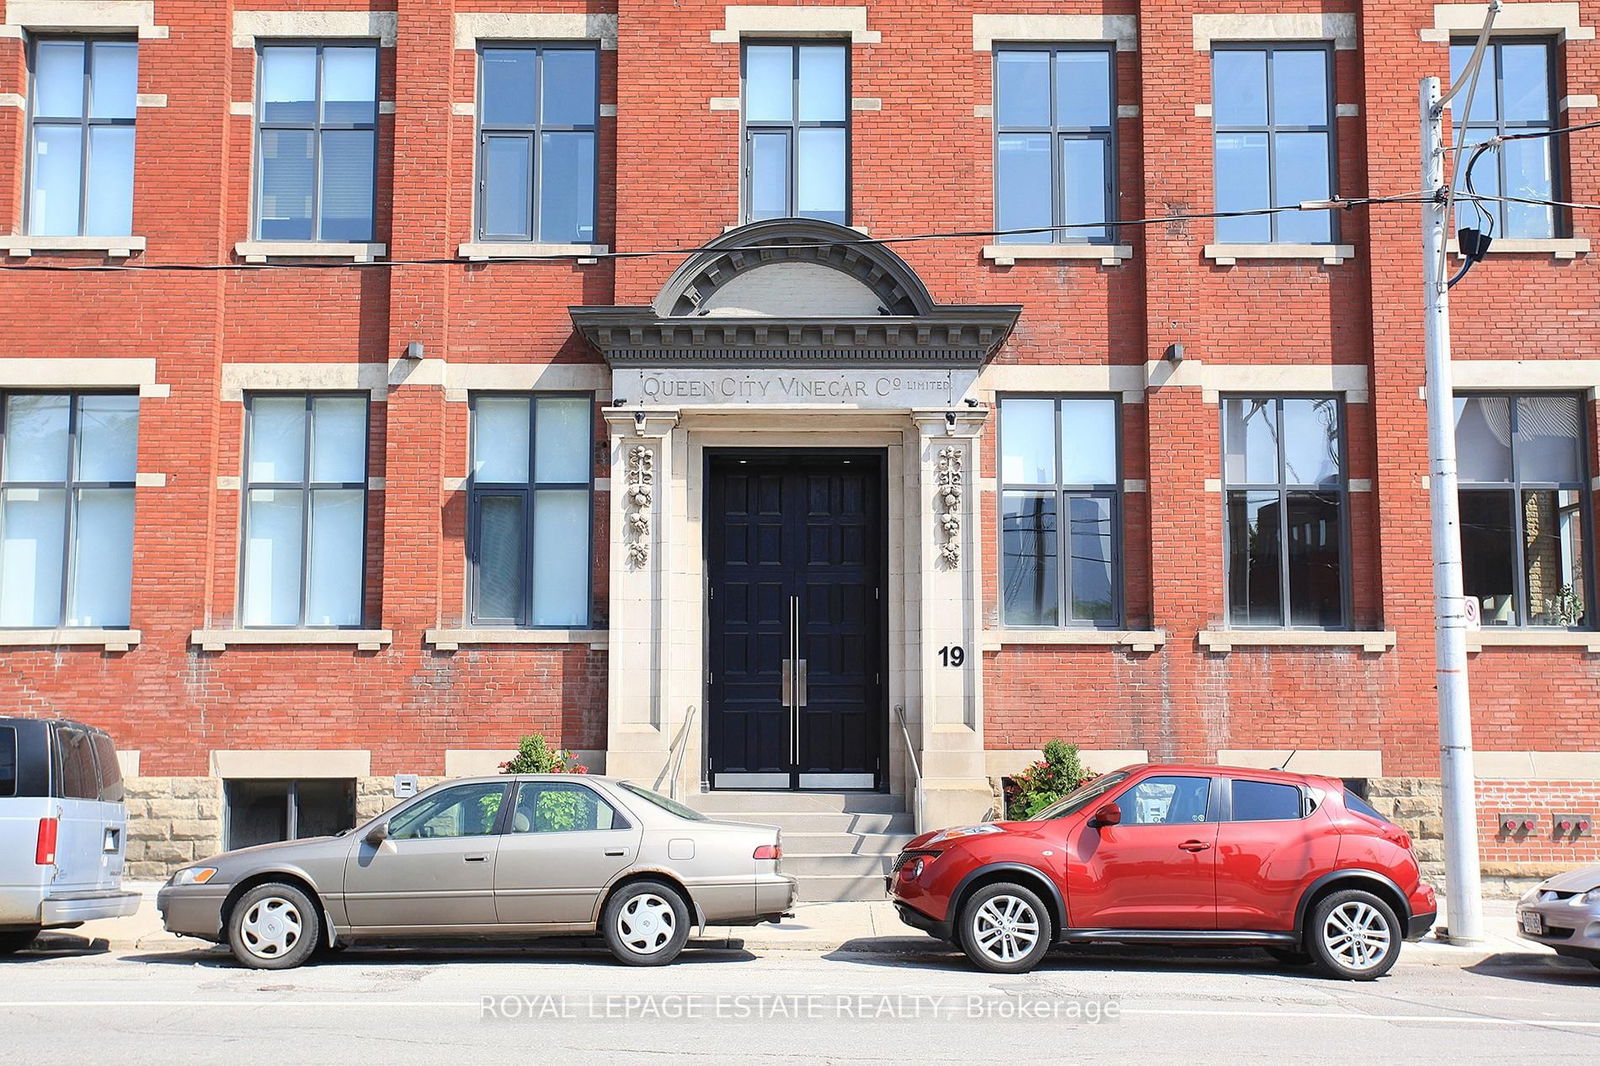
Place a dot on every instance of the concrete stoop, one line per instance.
(837, 845)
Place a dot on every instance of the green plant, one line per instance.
(534, 756)
(1044, 782)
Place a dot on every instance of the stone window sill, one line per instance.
(262, 251)
(222, 639)
(1008, 254)
(454, 639)
(1478, 639)
(23, 246)
(1133, 639)
(1557, 248)
(1229, 254)
(1225, 640)
(585, 253)
(107, 639)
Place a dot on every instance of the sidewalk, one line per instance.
(870, 927)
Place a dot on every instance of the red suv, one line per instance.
(1199, 855)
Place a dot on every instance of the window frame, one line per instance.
(1515, 487)
(85, 123)
(1064, 490)
(1272, 129)
(1058, 135)
(1283, 487)
(791, 129)
(483, 132)
(70, 488)
(291, 799)
(527, 490)
(502, 814)
(619, 817)
(305, 486)
(1214, 800)
(1305, 806)
(315, 128)
(1559, 218)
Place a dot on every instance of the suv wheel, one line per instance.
(645, 924)
(1004, 928)
(1354, 935)
(14, 940)
(274, 927)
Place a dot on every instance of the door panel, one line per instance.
(794, 550)
(1266, 861)
(564, 845)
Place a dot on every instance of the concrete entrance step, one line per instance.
(801, 867)
(844, 843)
(723, 804)
(826, 822)
(832, 888)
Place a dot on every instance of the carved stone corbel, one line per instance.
(947, 504)
(637, 501)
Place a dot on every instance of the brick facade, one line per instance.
(922, 161)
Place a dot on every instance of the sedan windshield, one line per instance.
(1073, 802)
(670, 806)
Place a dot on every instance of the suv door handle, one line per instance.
(1194, 845)
(477, 858)
(618, 851)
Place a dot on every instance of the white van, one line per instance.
(63, 829)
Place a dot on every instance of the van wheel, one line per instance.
(1354, 935)
(645, 924)
(14, 940)
(274, 927)
(1004, 928)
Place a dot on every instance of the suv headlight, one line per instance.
(963, 831)
(193, 875)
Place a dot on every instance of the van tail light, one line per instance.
(769, 851)
(45, 853)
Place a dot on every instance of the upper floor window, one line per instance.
(1273, 110)
(66, 508)
(536, 143)
(1060, 512)
(81, 132)
(1515, 94)
(530, 510)
(305, 510)
(1524, 508)
(797, 131)
(1055, 161)
(316, 142)
(1284, 503)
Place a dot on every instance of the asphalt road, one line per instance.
(556, 1005)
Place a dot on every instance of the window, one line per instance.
(536, 144)
(1263, 801)
(1273, 109)
(8, 760)
(560, 807)
(1515, 94)
(1166, 801)
(1524, 508)
(75, 764)
(305, 504)
(669, 805)
(316, 141)
(105, 757)
(530, 510)
(264, 812)
(797, 132)
(66, 509)
(1284, 482)
(1060, 499)
(462, 811)
(1055, 162)
(81, 150)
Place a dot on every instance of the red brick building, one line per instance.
(440, 395)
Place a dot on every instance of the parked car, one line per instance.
(62, 829)
(1563, 913)
(1176, 854)
(496, 857)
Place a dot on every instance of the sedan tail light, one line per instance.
(44, 854)
(769, 851)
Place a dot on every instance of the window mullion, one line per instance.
(69, 526)
(307, 499)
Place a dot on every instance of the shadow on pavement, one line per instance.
(899, 952)
(1543, 969)
(444, 954)
(58, 945)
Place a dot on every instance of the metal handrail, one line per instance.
(916, 767)
(675, 753)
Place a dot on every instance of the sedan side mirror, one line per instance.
(1110, 814)
(378, 834)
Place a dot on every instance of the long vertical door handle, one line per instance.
(796, 702)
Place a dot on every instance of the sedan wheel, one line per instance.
(645, 924)
(1005, 928)
(274, 927)
(1354, 935)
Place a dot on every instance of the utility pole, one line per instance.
(1463, 887)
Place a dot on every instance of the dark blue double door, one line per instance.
(794, 563)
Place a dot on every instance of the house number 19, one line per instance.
(953, 654)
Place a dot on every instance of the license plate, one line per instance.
(1533, 923)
